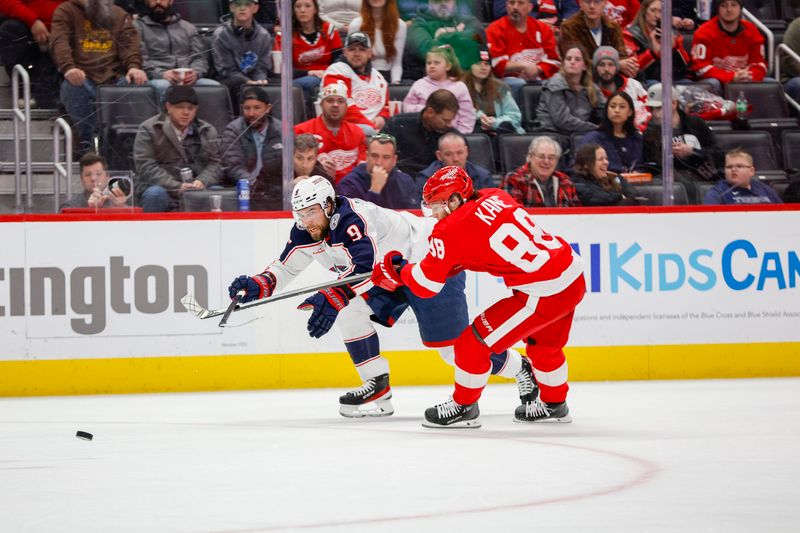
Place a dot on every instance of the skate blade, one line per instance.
(372, 409)
(464, 424)
(566, 419)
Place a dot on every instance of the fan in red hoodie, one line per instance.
(727, 48)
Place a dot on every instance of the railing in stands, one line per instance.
(22, 116)
(770, 39)
(60, 170)
(794, 56)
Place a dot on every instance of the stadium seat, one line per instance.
(790, 9)
(766, 98)
(760, 145)
(480, 150)
(120, 110)
(791, 151)
(200, 12)
(702, 190)
(530, 95)
(198, 201)
(399, 92)
(761, 9)
(654, 194)
(214, 105)
(513, 151)
(298, 104)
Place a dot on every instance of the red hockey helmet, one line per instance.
(444, 183)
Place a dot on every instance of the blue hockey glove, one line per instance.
(254, 287)
(326, 305)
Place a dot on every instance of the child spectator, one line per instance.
(242, 49)
(443, 72)
(315, 45)
(739, 187)
(380, 20)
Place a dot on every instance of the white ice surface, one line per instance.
(640, 456)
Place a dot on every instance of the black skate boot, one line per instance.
(539, 411)
(373, 398)
(452, 415)
(528, 391)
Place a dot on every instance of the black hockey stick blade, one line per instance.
(234, 302)
(201, 312)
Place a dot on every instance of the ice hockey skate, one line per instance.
(373, 398)
(528, 390)
(452, 415)
(539, 411)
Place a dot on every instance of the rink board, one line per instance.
(92, 305)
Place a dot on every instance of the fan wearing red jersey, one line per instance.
(487, 231)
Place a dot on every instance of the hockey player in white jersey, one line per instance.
(348, 236)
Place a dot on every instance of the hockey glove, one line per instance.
(386, 274)
(325, 306)
(254, 287)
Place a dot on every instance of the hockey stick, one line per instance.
(201, 312)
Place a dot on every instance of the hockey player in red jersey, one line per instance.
(487, 231)
(728, 48)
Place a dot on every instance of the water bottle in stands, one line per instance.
(243, 189)
(741, 106)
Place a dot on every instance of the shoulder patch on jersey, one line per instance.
(334, 221)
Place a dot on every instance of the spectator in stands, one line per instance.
(251, 144)
(643, 38)
(172, 50)
(96, 193)
(696, 155)
(241, 49)
(621, 11)
(728, 48)
(418, 134)
(306, 160)
(454, 151)
(380, 20)
(684, 15)
(24, 40)
(618, 135)
(597, 186)
(368, 92)
(569, 99)
(537, 183)
(790, 69)
(339, 13)
(379, 180)
(590, 29)
(552, 12)
(739, 187)
(496, 111)
(443, 72)
(93, 42)
(437, 25)
(315, 45)
(523, 49)
(608, 79)
(169, 143)
(340, 142)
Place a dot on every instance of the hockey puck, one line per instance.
(84, 435)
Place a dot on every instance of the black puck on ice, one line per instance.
(84, 435)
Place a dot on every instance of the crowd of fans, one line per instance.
(597, 63)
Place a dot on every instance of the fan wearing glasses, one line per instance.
(739, 187)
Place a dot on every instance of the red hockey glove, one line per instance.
(386, 274)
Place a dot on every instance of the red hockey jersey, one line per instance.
(622, 11)
(717, 54)
(367, 96)
(346, 149)
(536, 45)
(316, 55)
(495, 234)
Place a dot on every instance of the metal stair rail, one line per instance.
(60, 170)
(770, 44)
(21, 117)
(793, 55)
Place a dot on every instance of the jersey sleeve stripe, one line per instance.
(419, 276)
(554, 378)
(556, 285)
(472, 381)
